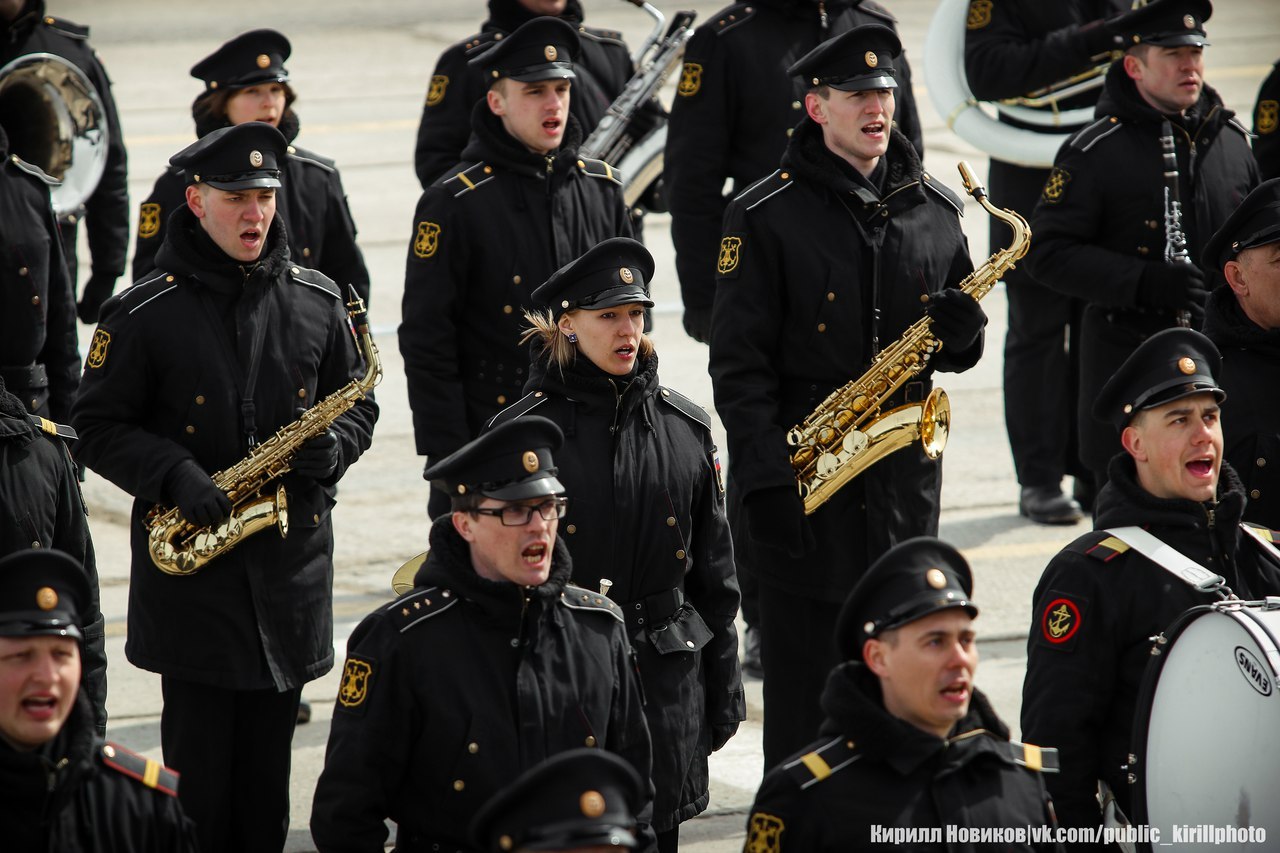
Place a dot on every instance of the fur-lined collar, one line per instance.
(491, 143)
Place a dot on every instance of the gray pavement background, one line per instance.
(360, 70)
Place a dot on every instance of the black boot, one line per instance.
(1048, 505)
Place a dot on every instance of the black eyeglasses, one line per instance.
(518, 515)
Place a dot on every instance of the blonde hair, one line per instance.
(555, 345)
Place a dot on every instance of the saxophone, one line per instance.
(848, 432)
(178, 547)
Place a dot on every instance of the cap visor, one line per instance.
(928, 605)
(558, 71)
(862, 84)
(601, 836)
(617, 296)
(39, 624)
(536, 486)
(1178, 389)
(261, 183)
(1177, 40)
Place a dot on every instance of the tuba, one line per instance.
(55, 119)
(849, 432)
(623, 138)
(178, 547)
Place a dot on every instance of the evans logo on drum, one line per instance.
(1253, 671)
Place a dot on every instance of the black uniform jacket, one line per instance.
(1266, 123)
(163, 385)
(107, 209)
(736, 107)
(41, 507)
(457, 687)
(1096, 607)
(603, 70)
(872, 769)
(312, 204)
(809, 255)
(497, 226)
(646, 508)
(39, 354)
(1250, 414)
(79, 794)
(1100, 222)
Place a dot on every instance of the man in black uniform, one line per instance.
(521, 205)
(64, 788)
(584, 799)
(26, 29)
(602, 69)
(39, 353)
(190, 369)
(1243, 320)
(824, 263)
(41, 507)
(736, 105)
(1013, 47)
(1102, 599)
(1100, 227)
(493, 663)
(245, 80)
(909, 741)
(1266, 121)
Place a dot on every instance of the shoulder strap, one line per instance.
(1262, 536)
(1172, 560)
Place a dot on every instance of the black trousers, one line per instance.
(233, 749)
(1041, 350)
(797, 650)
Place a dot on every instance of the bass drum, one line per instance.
(1206, 730)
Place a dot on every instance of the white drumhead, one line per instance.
(1211, 755)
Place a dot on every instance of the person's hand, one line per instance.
(1172, 287)
(776, 519)
(957, 317)
(96, 291)
(697, 323)
(198, 499)
(317, 458)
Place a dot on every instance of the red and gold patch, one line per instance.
(1060, 621)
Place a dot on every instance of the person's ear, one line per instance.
(463, 523)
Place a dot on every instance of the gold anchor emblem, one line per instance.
(1061, 621)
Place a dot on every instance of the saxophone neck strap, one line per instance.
(1172, 560)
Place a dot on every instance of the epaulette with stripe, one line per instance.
(948, 195)
(577, 598)
(418, 606)
(764, 189)
(143, 291)
(148, 771)
(67, 28)
(315, 278)
(601, 35)
(1235, 122)
(685, 406)
(599, 169)
(466, 179)
(35, 171)
(1042, 759)
(877, 11)
(519, 408)
(829, 758)
(732, 17)
(1099, 545)
(1265, 532)
(48, 427)
(312, 158)
(1090, 136)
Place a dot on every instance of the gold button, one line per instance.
(506, 309)
(572, 528)
(581, 165)
(35, 300)
(199, 399)
(680, 554)
(302, 393)
(502, 399)
(1142, 250)
(795, 105)
(666, 393)
(1255, 494)
(488, 170)
(72, 219)
(1262, 463)
(168, 278)
(23, 270)
(306, 252)
(671, 521)
(515, 279)
(458, 784)
(191, 430)
(316, 518)
(689, 643)
(786, 176)
(295, 270)
(537, 394)
(109, 751)
(473, 748)
(790, 130)
(1152, 224)
(590, 741)
(506, 843)
(831, 296)
(822, 327)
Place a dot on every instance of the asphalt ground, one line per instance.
(360, 70)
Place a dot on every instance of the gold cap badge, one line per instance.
(1189, 22)
(46, 598)
(591, 803)
(1186, 365)
(872, 59)
(255, 159)
(935, 578)
(550, 52)
(530, 461)
(263, 60)
(626, 276)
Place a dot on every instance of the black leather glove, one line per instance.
(957, 317)
(317, 458)
(198, 499)
(720, 734)
(776, 519)
(1100, 37)
(1171, 287)
(697, 323)
(96, 291)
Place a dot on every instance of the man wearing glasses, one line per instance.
(491, 664)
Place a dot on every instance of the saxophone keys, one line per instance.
(828, 465)
(855, 442)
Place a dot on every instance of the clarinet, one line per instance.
(1175, 239)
